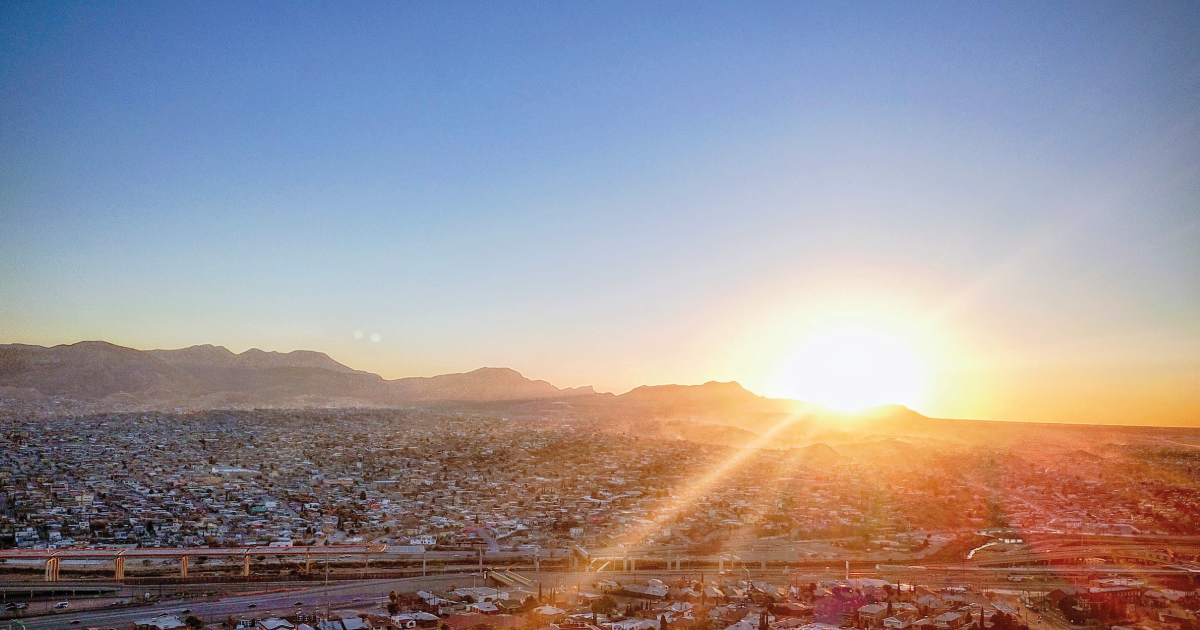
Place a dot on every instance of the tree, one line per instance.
(605, 605)
(194, 622)
(1068, 606)
(1002, 621)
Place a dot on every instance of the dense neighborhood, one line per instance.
(430, 478)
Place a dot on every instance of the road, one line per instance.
(337, 595)
(1039, 548)
(372, 593)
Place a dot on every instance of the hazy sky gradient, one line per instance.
(620, 194)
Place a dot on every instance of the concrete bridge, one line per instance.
(577, 558)
(52, 559)
(750, 557)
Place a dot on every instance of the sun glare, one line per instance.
(851, 368)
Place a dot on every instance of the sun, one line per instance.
(852, 367)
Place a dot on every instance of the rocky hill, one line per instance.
(96, 375)
(105, 374)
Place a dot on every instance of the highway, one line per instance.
(982, 572)
(1040, 548)
(338, 595)
(281, 597)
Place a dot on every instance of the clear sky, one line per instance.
(620, 194)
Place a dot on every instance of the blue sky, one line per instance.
(617, 194)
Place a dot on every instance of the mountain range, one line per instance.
(96, 376)
(99, 376)
(104, 375)
(211, 376)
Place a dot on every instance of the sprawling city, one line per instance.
(471, 519)
(608, 315)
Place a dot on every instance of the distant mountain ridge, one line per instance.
(104, 376)
(681, 398)
(220, 355)
(95, 376)
(484, 384)
(213, 376)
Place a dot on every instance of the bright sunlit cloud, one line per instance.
(852, 367)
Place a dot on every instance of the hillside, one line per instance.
(99, 376)
(108, 375)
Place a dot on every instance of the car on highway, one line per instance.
(75, 622)
(357, 599)
(252, 606)
(61, 605)
(298, 604)
(185, 611)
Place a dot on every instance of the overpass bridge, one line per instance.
(577, 558)
(747, 557)
(52, 560)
